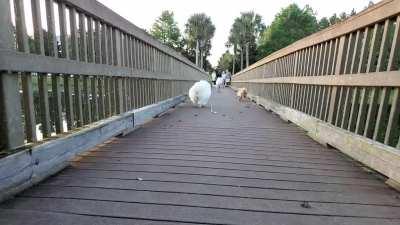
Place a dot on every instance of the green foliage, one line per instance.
(353, 12)
(199, 28)
(166, 30)
(343, 16)
(246, 30)
(334, 19)
(323, 23)
(290, 25)
(225, 62)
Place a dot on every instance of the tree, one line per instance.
(334, 19)
(353, 12)
(323, 23)
(225, 62)
(370, 3)
(245, 34)
(343, 16)
(290, 25)
(166, 30)
(199, 31)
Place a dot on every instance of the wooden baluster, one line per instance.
(51, 29)
(394, 53)
(132, 92)
(63, 31)
(82, 38)
(107, 96)
(385, 92)
(39, 49)
(101, 99)
(97, 42)
(87, 118)
(338, 66)
(56, 103)
(392, 125)
(78, 101)
(118, 95)
(74, 35)
(104, 56)
(69, 108)
(349, 54)
(323, 103)
(340, 105)
(113, 95)
(94, 103)
(90, 41)
(44, 105)
(347, 107)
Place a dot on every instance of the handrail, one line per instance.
(84, 63)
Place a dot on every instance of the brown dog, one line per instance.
(242, 94)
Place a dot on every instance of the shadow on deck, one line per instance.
(241, 165)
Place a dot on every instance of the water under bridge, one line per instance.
(95, 128)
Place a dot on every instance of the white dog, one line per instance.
(200, 93)
(219, 83)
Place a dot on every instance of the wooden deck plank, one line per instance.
(241, 165)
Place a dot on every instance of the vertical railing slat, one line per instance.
(69, 105)
(74, 35)
(56, 103)
(30, 120)
(82, 38)
(87, 114)
(101, 102)
(63, 31)
(98, 38)
(78, 101)
(90, 40)
(44, 105)
(347, 108)
(94, 96)
(394, 52)
(393, 119)
(51, 29)
(37, 27)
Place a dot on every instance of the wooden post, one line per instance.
(11, 131)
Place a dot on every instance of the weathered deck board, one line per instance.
(241, 165)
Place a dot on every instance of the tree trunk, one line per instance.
(233, 63)
(201, 60)
(234, 59)
(241, 58)
(247, 55)
(197, 52)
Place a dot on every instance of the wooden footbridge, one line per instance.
(95, 128)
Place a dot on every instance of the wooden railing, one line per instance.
(346, 75)
(82, 63)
